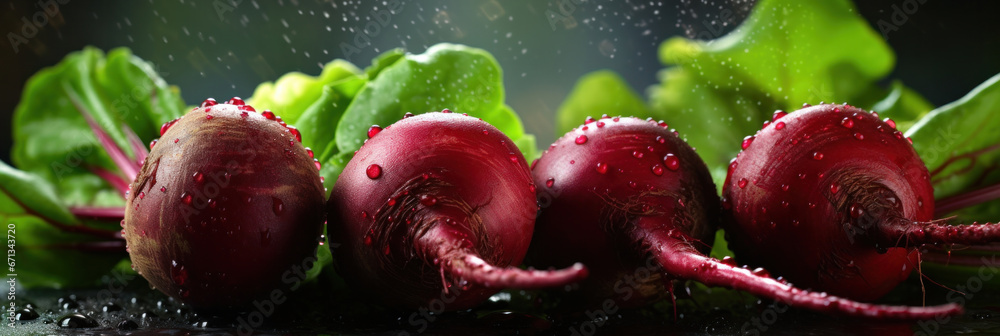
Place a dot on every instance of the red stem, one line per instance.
(113, 213)
(442, 247)
(114, 180)
(961, 201)
(126, 165)
(137, 146)
(681, 260)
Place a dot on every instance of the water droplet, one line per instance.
(208, 102)
(199, 177)
(637, 154)
(550, 182)
(209, 117)
(582, 139)
(859, 136)
(602, 167)
(368, 240)
(834, 188)
(428, 200)
(890, 122)
(246, 108)
(445, 111)
(672, 162)
(142, 195)
(296, 133)
(513, 157)
(185, 198)
(153, 143)
(235, 101)
(176, 140)
(407, 115)
(847, 122)
(277, 206)
(166, 126)
(374, 171)
(531, 187)
(778, 115)
(857, 211)
(268, 115)
(779, 125)
(600, 124)
(742, 183)
(319, 166)
(747, 141)
(732, 166)
(784, 187)
(657, 169)
(817, 156)
(372, 131)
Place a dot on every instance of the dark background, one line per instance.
(943, 50)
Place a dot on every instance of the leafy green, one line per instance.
(960, 146)
(41, 229)
(464, 79)
(294, 92)
(785, 54)
(52, 139)
(595, 94)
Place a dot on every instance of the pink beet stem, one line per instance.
(459, 262)
(961, 201)
(99, 213)
(129, 168)
(137, 146)
(908, 233)
(114, 180)
(681, 260)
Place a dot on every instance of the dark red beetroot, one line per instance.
(227, 202)
(617, 190)
(835, 199)
(436, 207)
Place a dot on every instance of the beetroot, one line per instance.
(227, 203)
(432, 211)
(835, 199)
(617, 190)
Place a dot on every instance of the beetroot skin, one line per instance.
(438, 206)
(637, 205)
(834, 199)
(227, 202)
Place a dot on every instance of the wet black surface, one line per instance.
(317, 310)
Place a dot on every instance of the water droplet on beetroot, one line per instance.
(550, 182)
(296, 133)
(209, 117)
(208, 102)
(582, 139)
(185, 198)
(602, 167)
(319, 166)
(166, 126)
(890, 122)
(847, 122)
(657, 169)
(176, 140)
(428, 200)
(779, 125)
(742, 183)
(859, 136)
(778, 115)
(747, 141)
(277, 206)
(672, 162)
(512, 157)
(637, 154)
(817, 156)
(268, 115)
(834, 188)
(391, 202)
(368, 240)
(142, 195)
(856, 210)
(199, 177)
(372, 131)
(784, 187)
(235, 101)
(374, 171)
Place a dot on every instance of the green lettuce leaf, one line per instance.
(52, 139)
(294, 92)
(595, 94)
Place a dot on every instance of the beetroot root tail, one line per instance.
(681, 260)
(470, 267)
(938, 232)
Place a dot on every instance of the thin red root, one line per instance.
(948, 205)
(938, 232)
(470, 267)
(681, 260)
(116, 213)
